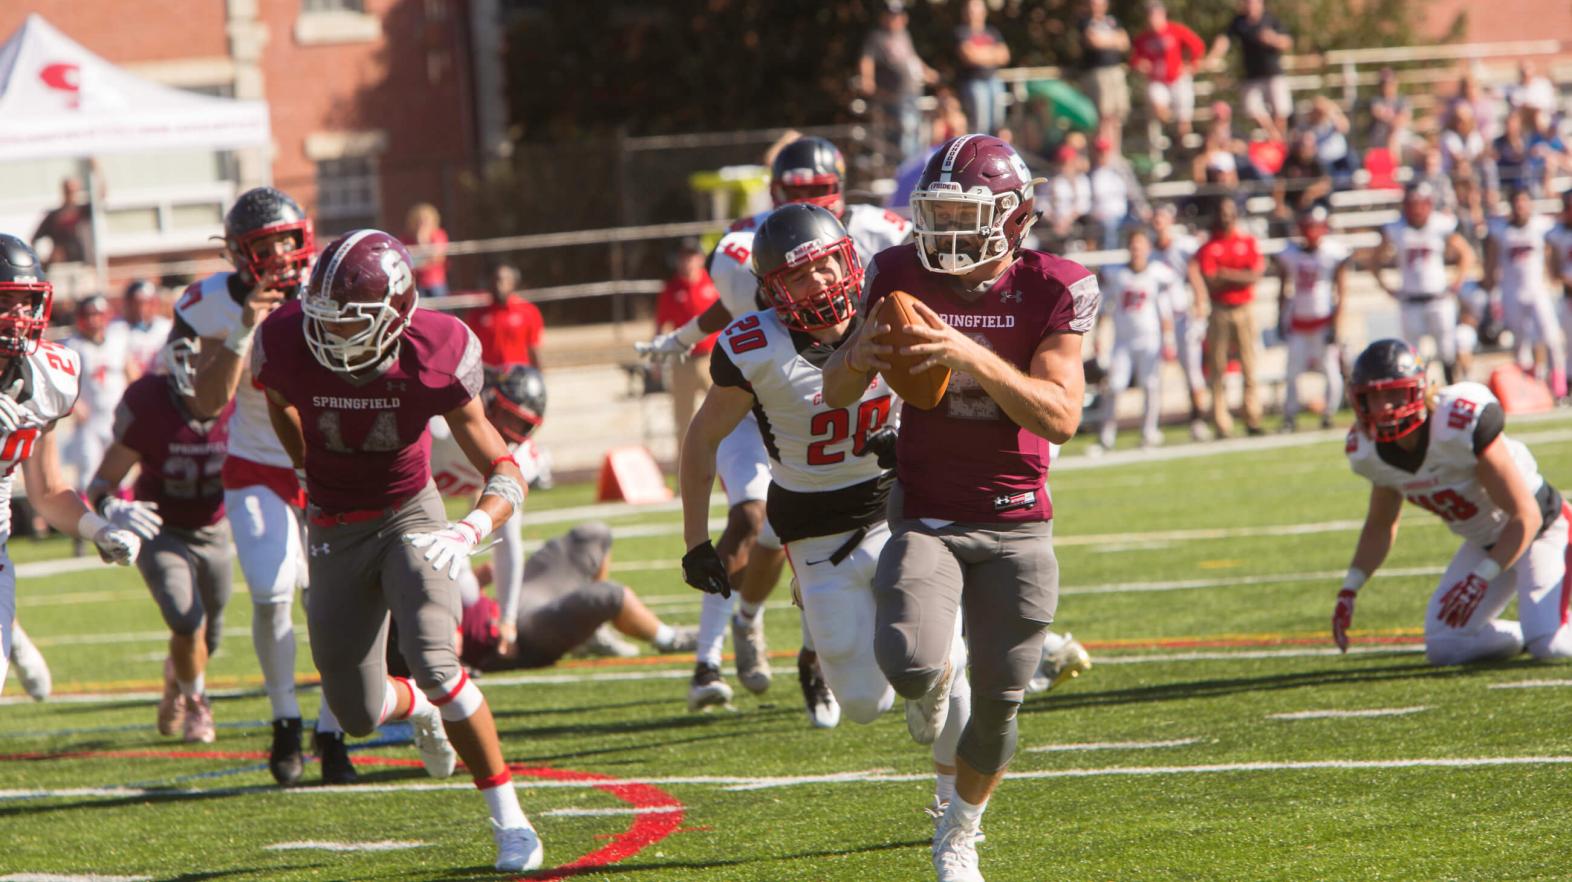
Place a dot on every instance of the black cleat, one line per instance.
(824, 712)
(707, 689)
(334, 757)
(285, 759)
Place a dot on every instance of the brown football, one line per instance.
(919, 390)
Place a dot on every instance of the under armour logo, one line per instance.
(1010, 296)
(398, 386)
(319, 550)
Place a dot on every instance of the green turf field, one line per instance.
(1202, 585)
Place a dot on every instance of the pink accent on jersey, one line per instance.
(181, 458)
(957, 460)
(367, 446)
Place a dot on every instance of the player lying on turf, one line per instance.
(1445, 450)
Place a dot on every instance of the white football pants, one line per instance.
(1307, 352)
(1435, 318)
(1127, 367)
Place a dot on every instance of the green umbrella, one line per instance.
(1066, 102)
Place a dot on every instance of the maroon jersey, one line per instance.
(181, 455)
(966, 460)
(366, 442)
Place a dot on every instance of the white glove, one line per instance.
(448, 547)
(10, 415)
(117, 546)
(664, 347)
(141, 518)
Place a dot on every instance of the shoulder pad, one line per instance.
(207, 307)
(1458, 407)
(56, 380)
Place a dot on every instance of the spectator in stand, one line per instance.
(1116, 196)
(1481, 104)
(1531, 89)
(893, 76)
(949, 121)
(1511, 160)
(1069, 194)
(68, 227)
(1472, 222)
(1262, 41)
(1301, 184)
(1166, 53)
(1386, 108)
(510, 327)
(1103, 47)
(1462, 144)
(1227, 268)
(688, 293)
(1547, 154)
(1431, 170)
(146, 330)
(980, 52)
(1327, 122)
(429, 245)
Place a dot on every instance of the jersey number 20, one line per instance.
(834, 426)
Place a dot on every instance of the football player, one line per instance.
(146, 331)
(1422, 242)
(353, 373)
(1445, 450)
(1138, 295)
(1559, 242)
(971, 523)
(1515, 264)
(1312, 287)
(1173, 246)
(104, 357)
(269, 241)
(828, 488)
(810, 170)
(38, 386)
(177, 508)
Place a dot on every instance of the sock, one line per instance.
(1052, 642)
(747, 610)
(663, 636)
(273, 634)
(502, 801)
(326, 722)
(192, 688)
(807, 638)
(712, 628)
(965, 812)
(944, 787)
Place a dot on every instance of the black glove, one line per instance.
(881, 444)
(702, 568)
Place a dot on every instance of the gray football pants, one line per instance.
(1006, 579)
(362, 573)
(190, 575)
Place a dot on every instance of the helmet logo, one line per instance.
(399, 277)
(804, 252)
(953, 154)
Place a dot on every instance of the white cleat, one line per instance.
(518, 848)
(606, 643)
(752, 655)
(1069, 661)
(955, 850)
(436, 752)
(30, 666)
(707, 689)
(925, 716)
(935, 810)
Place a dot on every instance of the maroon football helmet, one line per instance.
(973, 204)
(359, 300)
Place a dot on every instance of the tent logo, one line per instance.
(64, 77)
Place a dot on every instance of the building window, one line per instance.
(326, 22)
(333, 6)
(346, 193)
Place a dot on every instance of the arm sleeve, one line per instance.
(125, 423)
(1492, 420)
(509, 566)
(724, 371)
(1191, 42)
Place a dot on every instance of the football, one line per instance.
(922, 390)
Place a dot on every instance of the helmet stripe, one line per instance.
(951, 155)
(338, 257)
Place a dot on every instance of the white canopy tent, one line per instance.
(58, 100)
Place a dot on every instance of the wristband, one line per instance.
(690, 334)
(1355, 579)
(239, 339)
(480, 522)
(1487, 569)
(90, 525)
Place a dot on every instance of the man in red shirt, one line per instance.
(1166, 53)
(688, 293)
(511, 327)
(1227, 268)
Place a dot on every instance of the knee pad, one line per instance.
(911, 684)
(988, 743)
(865, 708)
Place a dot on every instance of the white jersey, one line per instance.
(1421, 253)
(1177, 257)
(455, 475)
(1560, 242)
(210, 310)
(50, 380)
(1446, 483)
(1312, 274)
(143, 341)
(1139, 302)
(1520, 254)
(103, 376)
(812, 447)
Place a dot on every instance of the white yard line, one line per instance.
(608, 812)
(67, 877)
(385, 845)
(1532, 684)
(1349, 714)
(1114, 745)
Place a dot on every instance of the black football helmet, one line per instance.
(798, 234)
(1388, 365)
(26, 298)
(262, 212)
(516, 402)
(811, 170)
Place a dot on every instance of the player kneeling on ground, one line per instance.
(178, 511)
(1446, 451)
(353, 373)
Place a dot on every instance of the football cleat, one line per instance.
(935, 811)
(431, 740)
(333, 755)
(171, 709)
(197, 727)
(925, 716)
(285, 759)
(30, 666)
(1069, 661)
(518, 848)
(955, 850)
(1199, 431)
(824, 712)
(707, 688)
(606, 643)
(683, 639)
(752, 656)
